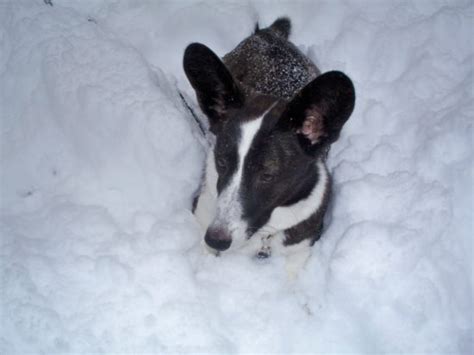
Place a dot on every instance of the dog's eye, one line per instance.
(266, 178)
(221, 163)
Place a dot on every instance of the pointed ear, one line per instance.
(318, 112)
(216, 89)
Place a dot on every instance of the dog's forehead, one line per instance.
(265, 109)
(255, 107)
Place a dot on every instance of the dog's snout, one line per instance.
(218, 239)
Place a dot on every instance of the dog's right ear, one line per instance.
(216, 89)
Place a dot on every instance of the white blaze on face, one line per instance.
(229, 206)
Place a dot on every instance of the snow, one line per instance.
(100, 160)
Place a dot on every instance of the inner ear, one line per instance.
(216, 89)
(318, 112)
(313, 125)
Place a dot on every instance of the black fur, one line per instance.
(215, 88)
(267, 63)
(331, 95)
(281, 27)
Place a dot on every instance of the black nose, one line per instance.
(218, 239)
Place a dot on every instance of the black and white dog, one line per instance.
(274, 117)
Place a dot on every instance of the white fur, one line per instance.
(296, 255)
(229, 206)
(206, 207)
(286, 217)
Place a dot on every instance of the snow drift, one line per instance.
(100, 161)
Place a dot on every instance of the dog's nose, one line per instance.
(218, 238)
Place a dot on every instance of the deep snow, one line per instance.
(99, 162)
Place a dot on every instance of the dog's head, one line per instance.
(266, 149)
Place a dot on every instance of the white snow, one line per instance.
(99, 161)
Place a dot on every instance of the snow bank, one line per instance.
(99, 163)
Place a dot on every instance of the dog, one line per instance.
(274, 116)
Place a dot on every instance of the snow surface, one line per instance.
(99, 161)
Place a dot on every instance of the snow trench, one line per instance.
(99, 161)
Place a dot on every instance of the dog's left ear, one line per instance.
(216, 89)
(318, 112)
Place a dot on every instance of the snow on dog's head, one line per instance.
(268, 150)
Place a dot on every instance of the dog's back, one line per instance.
(266, 62)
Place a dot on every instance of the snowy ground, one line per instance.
(99, 160)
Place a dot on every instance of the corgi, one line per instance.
(274, 116)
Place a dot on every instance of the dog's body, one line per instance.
(274, 117)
